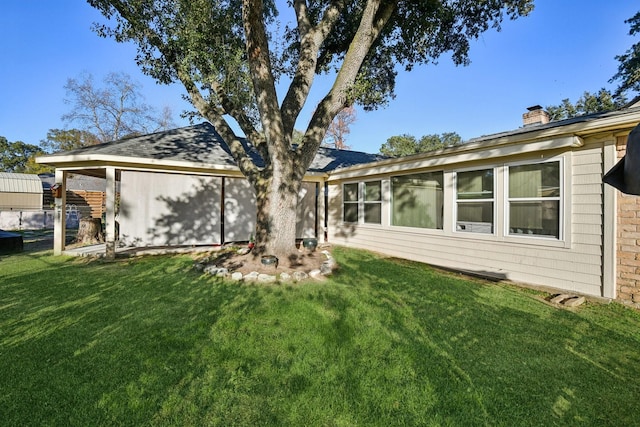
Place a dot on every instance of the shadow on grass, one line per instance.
(148, 341)
(499, 355)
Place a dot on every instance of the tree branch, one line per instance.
(311, 40)
(375, 16)
(262, 76)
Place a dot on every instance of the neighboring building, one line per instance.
(20, 191)
(527, 205)
(21, 202)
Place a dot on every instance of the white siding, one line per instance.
(169, 209)
(240, 210)
(306, 225)
(162, 209)
(573, 264)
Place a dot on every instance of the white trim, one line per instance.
(493, 200)
(456, 156)
(444, 198)
(610, 223)
(560, 199)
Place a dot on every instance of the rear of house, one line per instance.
(527, 206)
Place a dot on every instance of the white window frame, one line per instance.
(361, 203)
(365, 202)
(351, 202)
(493, 200)
(560, 199)
(420, 230)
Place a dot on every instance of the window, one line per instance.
(350, 202)
(373, 202)
(417, 200)
(534, 199)
(475, 201)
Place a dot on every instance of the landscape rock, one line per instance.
(222, 272)
(266, 278)
(326, 268)
(243, 251)
(574, 302)
(211, 269)
(299, 276)
(315, 274)
(559, 298)
(285, 277)
(252, 276)
(198, 266)
(236, 276)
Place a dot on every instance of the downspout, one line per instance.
(326, 212)
(222, 212)
(315, 214)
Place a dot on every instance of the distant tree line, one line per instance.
(406, 145)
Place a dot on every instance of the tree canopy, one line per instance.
(231, 56)
(67, 139)
(18, 157)
(406, 145)
(629, 68)
(588, 103)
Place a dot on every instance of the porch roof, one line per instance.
(192, 148)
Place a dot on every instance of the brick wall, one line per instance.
(628, 243)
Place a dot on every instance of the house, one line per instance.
(526, 205)
(182, 187)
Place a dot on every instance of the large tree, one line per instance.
(629, 68)
(230, 56)
(113, 110)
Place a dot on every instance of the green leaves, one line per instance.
(629, 68)
(406, 145)
(18, 156)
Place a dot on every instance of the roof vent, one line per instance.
(535, 116)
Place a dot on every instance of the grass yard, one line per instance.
(383, 343)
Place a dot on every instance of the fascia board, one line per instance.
(463, 154)
(122, 161)
(81, 162)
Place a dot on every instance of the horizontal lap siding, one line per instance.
(577, 267)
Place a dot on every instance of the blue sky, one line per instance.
(565, 47)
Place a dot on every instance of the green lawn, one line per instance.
(151, 342)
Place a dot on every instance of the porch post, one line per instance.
(110, 215)
(60, 214)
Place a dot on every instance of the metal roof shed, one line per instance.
(20, 191)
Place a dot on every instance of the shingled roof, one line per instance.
(200, 144)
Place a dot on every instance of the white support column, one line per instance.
(110, 216)
(60, 214)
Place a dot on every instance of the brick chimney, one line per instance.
(535, 116)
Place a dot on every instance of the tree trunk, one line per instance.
(90, 231)
(277, 201)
